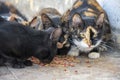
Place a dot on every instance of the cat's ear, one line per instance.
(76, 20)
(12, 18)
(46, 21)
(100, 19)
(56, 34)
(35, 23)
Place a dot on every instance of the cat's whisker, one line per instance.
(109, 43)
(107, 46)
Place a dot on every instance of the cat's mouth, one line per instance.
(82, 46)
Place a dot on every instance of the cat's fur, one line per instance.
(19, 42)
(88, 26)
(50, 17)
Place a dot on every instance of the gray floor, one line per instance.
(105, 68)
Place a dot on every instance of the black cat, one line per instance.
(19, 42)
(51, 18)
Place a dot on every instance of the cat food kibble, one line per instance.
(63, 61)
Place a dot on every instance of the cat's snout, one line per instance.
(89, 43)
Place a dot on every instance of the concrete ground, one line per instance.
(107, 67)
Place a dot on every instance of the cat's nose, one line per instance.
(89, 43)
(89, 46)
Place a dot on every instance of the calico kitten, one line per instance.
(88, 26)
(19, 42)
(51, 18)
(10, 13)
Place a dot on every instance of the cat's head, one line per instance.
(50, 42)
(51, 23)
(86, 34)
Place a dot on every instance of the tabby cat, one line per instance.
(19, 42)
(88, 26)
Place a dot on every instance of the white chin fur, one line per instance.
(83, 46)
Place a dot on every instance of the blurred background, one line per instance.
(30, 7)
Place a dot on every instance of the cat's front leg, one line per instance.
(2, 61)
(18, 63)
(4, 58)
(74, 51)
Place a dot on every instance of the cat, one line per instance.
(89, 28)
(10, 13)
(51, 18)
(19, 42)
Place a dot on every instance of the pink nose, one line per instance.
(89, 46)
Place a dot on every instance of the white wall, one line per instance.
(112, 7)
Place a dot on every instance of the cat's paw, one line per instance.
(18, 65)
(28, 63)
(94, 55)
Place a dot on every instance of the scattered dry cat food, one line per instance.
(76, 72)
(64, 61)
(89, 66)
(65, 70)
(87, 61)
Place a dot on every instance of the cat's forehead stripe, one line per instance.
(87, 34)
(95, 4)
(89, 14)
(92, 29)
(77, 4)
(91, 10)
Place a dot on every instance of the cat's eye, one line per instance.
(82, 35)
(95, 35)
